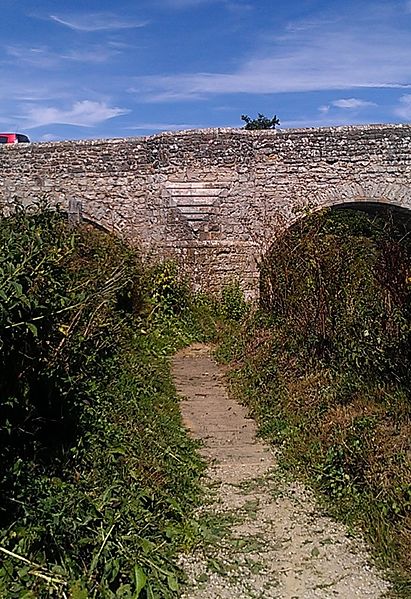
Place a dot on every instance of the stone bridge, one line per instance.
(212, 199)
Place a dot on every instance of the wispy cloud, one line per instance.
(307, 24)
(234, 6)
(404, 108)
(44, 58)
(97, 22)
(32, 89)
(163, 126)
(83, 114)
(92, 55)
(320, 57)
(325, 120)
(309, 123)
(150, 89)
(48, 137)
(352, 103)
(239, 8)
(187, 3)
(39, 57)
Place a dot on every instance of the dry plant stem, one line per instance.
(47, 577)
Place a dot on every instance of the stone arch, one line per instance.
(97, 225)
(396, 200)
(392, 194)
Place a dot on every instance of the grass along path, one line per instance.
(274, 540)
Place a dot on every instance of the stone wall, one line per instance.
(212, 199)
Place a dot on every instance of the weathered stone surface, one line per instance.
(212, 198)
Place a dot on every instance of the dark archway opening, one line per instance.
(398, 215)
(341, 270)
(333, 382)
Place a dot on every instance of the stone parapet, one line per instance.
(215, 198)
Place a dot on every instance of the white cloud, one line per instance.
(44, 58)
(95, 54)
(48, 137)
(38, 57)
(233, 6)
(307, 24)
(330, 121)
(239, 8)
(323, 56)
(352, 103)
(324, 109)
(34, 89)
(83, 114)
(97, 22)
(147, 90)
(164, 126)
(404, 109)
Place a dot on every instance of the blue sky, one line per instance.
(103, 68)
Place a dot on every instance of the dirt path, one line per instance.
(276, 542)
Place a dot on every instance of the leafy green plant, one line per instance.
(95, 464)
(167, 290)
(233, 305)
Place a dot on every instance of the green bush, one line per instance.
(232, 303)
(97, 475)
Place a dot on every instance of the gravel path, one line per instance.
(275, 540)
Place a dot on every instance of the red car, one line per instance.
(13, 138)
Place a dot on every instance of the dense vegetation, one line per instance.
(325, 367)
(97, 475)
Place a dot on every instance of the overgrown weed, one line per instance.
(98, 477)
(325, 364)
